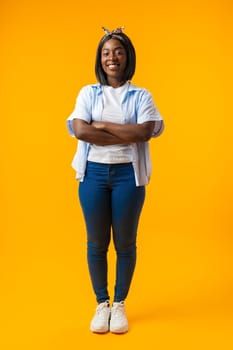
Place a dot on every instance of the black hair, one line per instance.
(130, 53)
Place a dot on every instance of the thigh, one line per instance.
(95, 200)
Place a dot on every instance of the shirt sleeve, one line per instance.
(82, 109)
(147, 110)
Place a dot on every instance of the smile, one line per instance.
(112, 65)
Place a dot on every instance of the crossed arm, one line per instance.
(106, 133)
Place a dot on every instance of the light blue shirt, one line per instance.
(137, 107)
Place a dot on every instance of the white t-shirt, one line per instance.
(112, 112)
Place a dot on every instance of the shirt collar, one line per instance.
(99, 89)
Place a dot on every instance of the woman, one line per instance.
(113, 121)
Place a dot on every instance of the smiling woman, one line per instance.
(113, 121)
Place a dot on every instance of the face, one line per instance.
(113, 60)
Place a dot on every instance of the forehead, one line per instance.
(112, 44)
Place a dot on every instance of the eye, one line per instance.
(120, 52)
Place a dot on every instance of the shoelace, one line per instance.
(100, 308)
(118, 310)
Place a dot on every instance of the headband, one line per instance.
(114, 31)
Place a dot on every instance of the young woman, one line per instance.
(113, 121)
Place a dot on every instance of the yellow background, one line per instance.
(181, 296)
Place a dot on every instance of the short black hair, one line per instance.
(130, 53)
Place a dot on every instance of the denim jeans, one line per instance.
(111, 202)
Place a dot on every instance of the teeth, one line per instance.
(112, 65)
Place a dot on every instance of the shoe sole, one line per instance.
(122, 331)
(98, 332)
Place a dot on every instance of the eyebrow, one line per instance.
(115, 48)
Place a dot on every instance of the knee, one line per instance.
(125, 248)
(97, 247)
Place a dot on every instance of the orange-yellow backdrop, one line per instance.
(181, 297)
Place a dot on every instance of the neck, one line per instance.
(115, 83)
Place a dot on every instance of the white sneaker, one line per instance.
(100, 322)
(118, 321)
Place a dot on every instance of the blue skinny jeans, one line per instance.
(111, 202)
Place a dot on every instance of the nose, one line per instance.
(112, 55)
